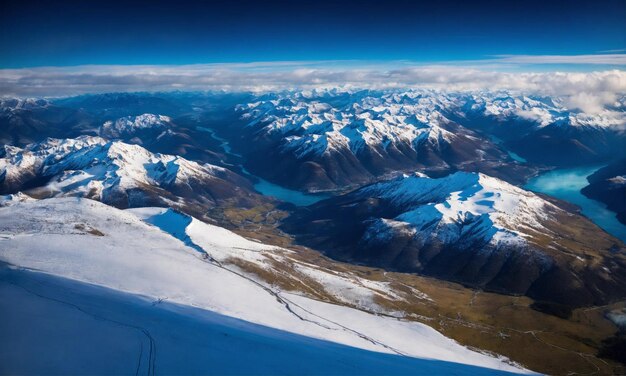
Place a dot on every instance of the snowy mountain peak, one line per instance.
(320, 124)
(95, 167)
(22, 103)
(129, 125)
(539, 110)
(443, 208)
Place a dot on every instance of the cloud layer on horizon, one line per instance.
(589, 91)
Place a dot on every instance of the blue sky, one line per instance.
(68, 33)
(57, 48)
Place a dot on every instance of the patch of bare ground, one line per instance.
(88, 229)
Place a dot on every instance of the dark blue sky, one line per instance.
(63, 33)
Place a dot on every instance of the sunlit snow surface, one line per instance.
(99, 167)
(138, 298)
(314, 122)
(442, 208)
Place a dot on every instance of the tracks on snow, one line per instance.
(151, 363)
(288, 304)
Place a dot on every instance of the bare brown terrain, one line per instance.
(496, 323)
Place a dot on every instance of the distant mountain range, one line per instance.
(325, 140)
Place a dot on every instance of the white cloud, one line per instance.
(590, 102)
(589, 91)
(595, 59)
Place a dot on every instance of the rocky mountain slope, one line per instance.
(545, 129)
(28, 120)
(608, 185)
(470, 228)
(119, 174)
(330, 140)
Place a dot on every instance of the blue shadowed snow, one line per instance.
(566, 184)
(171, 222)
(471, 190)
(69, 327)
(488, 203)
(422, 217)
(175, 224)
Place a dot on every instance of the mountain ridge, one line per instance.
(468, 228)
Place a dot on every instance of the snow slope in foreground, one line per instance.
(103, 285)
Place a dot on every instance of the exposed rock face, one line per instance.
(128, 127)
(119, 174)
(608, 185)
(331, 140)
(544, 129)
(473, 229)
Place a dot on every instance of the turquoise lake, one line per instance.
(288, 195)
(566, 184)
(265, 187)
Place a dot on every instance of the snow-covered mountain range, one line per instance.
(117, 173)
(131, 126)
(337, 139)
(426, 216)
(15, 104)
(546, 130)
(538, 110)
(329, 138)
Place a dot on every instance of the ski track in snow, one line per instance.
(280, 298)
